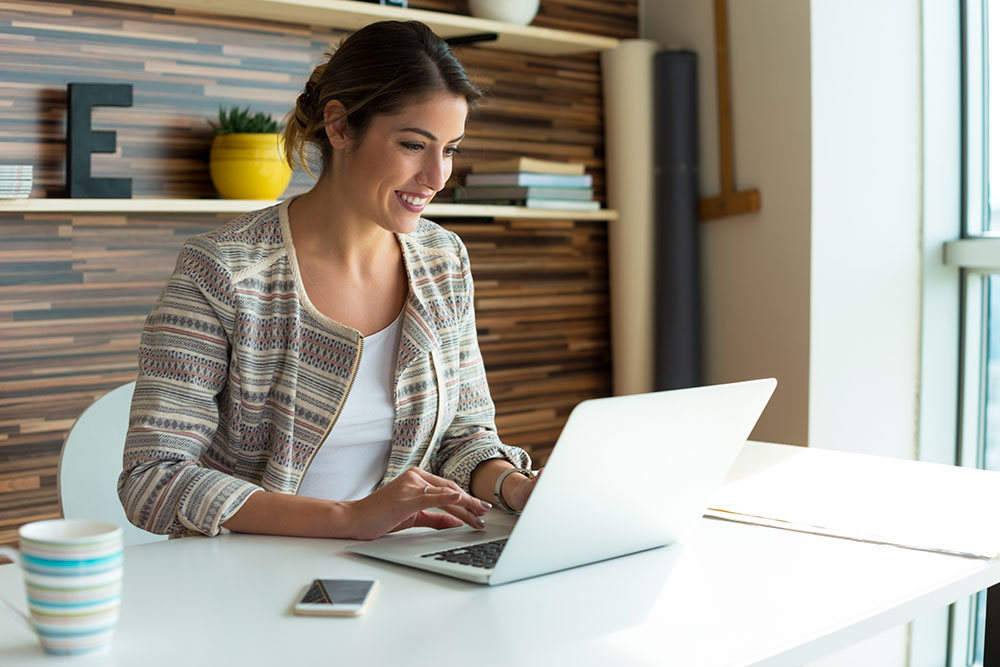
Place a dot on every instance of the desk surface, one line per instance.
(735, 595)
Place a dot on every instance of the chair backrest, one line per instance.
(91, 462)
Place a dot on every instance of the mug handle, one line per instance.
(13, 555)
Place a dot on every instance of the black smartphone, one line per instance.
(336, 597)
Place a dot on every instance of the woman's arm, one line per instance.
(183, 367)
(515, 489)
(267, 513)
(471, 452)
(403, 503)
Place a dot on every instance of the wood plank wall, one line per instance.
(74, 289)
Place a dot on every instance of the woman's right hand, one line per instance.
(403, 503)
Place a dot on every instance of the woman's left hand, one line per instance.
(517, 488)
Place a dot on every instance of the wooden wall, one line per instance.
(74, 289)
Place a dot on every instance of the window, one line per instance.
(977, 256)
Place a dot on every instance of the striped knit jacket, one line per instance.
(241, 378)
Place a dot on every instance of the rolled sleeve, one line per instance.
(165, 486)
(471, 437)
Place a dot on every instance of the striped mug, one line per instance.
(73, 577)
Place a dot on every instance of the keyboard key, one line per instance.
(482, 555)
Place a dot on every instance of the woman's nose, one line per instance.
(435, 173)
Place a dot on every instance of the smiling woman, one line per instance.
(375, 72)
(312, 368)
(393, 170)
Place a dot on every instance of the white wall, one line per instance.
(821, 288)
(755, 267)
(866, 254)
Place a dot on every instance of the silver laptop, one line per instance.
(628, 473)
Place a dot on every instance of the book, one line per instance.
(16, 171)
(476, 192)
(530, 164)
(526, 179)
(557, 204)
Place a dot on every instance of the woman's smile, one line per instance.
(413, 202)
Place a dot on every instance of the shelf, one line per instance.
(353, 14)
(237, 206)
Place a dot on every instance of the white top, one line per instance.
(352, 460)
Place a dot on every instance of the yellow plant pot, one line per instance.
(249, 166)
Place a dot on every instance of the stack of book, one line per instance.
(15, 181)
(530, 182)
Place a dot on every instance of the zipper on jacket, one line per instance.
(442, 399)
(336, 418)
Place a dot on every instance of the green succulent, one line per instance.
(238, 120)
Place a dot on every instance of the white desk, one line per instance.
(736, 595)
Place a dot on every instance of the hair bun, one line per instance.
(308, 97)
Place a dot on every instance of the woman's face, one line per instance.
(403, 160)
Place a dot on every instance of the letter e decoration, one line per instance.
(81, 140)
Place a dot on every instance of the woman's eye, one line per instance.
(452, 151)
(412, 146)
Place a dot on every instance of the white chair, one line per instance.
(92, 460)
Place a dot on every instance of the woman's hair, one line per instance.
(376, 70)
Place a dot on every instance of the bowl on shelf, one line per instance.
(517, 12)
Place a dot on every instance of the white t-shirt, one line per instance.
(352, 460)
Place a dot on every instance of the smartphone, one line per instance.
(336, 597)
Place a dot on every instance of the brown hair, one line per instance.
(376, 70)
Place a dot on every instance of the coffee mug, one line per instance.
(73, 577)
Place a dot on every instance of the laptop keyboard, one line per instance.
(482, 555)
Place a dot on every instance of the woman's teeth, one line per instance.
(416, 201)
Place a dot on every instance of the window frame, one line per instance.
(969, 255)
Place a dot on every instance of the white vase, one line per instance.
(518, 12)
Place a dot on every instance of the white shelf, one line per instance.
(353, 14)
(237, 206)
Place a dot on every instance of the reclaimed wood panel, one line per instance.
(182, 68)
(543, 321)
(75, 288)
(74, 292)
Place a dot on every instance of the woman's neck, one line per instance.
(322, 226)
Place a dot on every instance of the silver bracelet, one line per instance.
(496, 490)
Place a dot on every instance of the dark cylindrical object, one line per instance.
(676, 263)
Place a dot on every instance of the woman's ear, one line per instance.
(335, 122)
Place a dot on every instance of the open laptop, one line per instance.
(628, 473)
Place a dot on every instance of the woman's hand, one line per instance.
(516, 488)
(403, 503)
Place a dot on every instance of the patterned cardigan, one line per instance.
(241, 378)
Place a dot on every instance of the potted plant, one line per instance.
(247, 158)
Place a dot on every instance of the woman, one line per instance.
(312, 368)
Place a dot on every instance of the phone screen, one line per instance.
(337, 591)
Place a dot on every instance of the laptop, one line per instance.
(627, 474)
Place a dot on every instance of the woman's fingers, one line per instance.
(434, 480)
(453, 503)
(467, 507)
(471, 518)
(435, 520)
(404, 503)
